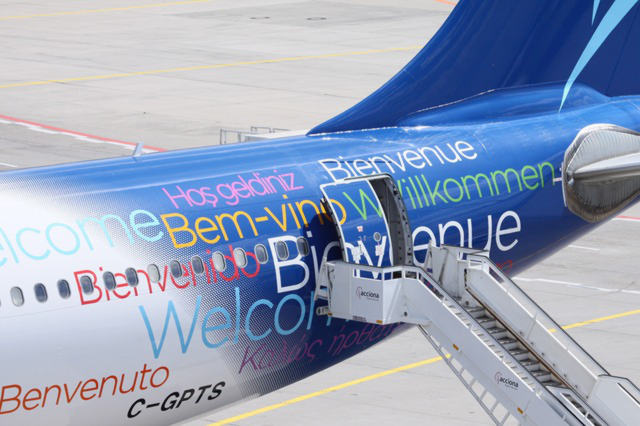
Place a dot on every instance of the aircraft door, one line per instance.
(371, 220)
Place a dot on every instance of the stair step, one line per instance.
(507, 342)
(520, 354)
(488, 323)
(485, 319)
(541, 375)
(593, 420)
(531, 364)
(477, 312)
(500, 334)
(578, 406)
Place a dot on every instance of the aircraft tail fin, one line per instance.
(494, 44)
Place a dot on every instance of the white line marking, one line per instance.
(8, 165)
(584, 247)
(570, 284)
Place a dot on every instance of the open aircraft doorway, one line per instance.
(379, 239)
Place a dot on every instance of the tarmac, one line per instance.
(86, 80)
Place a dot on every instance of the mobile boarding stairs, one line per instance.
(516, 361)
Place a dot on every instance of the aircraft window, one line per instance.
(261, 253)
(282, 250)
(132, 276)
(63, 289)
(87, 284)
(198, 265)
(109, 280)
(303, 246)
(176, 268)
(41, 292)
(240, 256)
(154, 273)
(17, 297)
(219, 262)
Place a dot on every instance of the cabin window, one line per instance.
(261, 253)
(132, 276)
(219, 262)
(41, 292)
(17, 297)
(198, 265)
(303, 246)
(240, 256)
(176, 268)
(282, 250)
(86, 284)
(154, 273)
(63, 289)
(109, 280)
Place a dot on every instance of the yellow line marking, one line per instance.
(111, 9)
(327, 390)
(387, 373)
(601, 319)
(206, 67)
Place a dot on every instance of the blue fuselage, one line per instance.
(489, 185)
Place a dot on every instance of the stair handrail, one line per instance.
(430, 283)
(514, 291)
(427, 280)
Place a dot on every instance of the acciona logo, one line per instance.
(367, 294)
(510, 383)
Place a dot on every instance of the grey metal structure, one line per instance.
(516, 361)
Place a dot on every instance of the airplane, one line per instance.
(155, 288)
